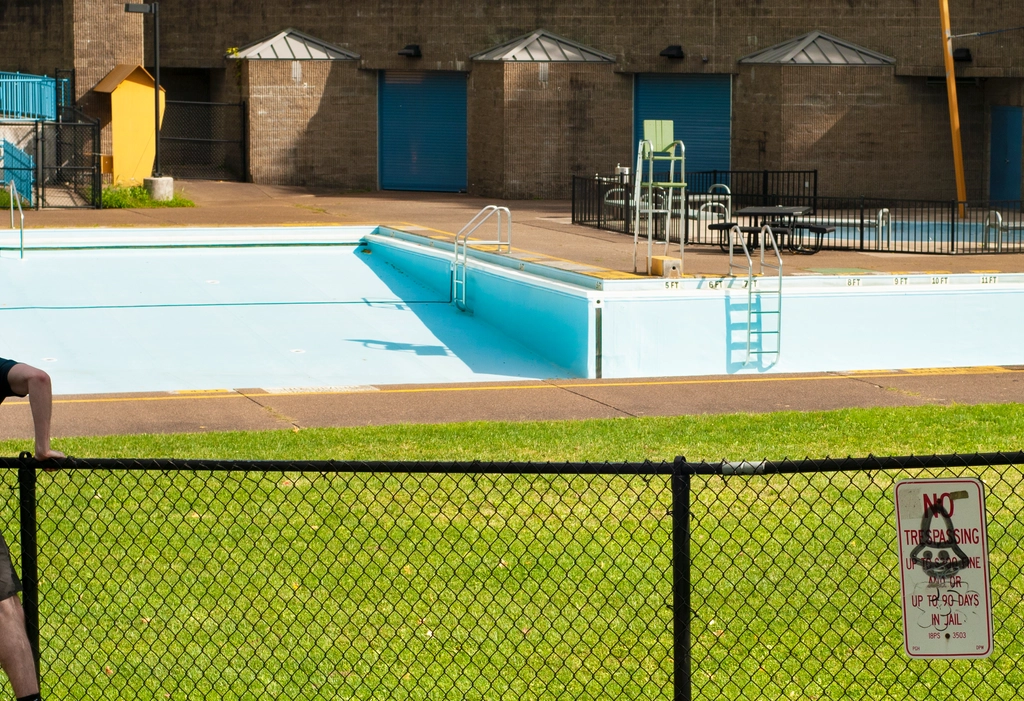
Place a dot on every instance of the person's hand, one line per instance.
(50, 454)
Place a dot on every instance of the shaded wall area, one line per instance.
(35, 36)
(449, 31)
(104, 35)
(485, 127)
(312, 123)
(555, 120)
(867, 132)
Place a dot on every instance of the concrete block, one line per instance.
(666, 266)
(159, 189)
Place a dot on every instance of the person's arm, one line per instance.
(25, 379)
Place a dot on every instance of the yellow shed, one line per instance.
(131, 122)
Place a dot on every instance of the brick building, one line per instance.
(446, 94)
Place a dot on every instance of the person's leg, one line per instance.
(15, 651)
(25, 379)
(16, 657)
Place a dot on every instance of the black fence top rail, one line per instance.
(647, 468)
(869, 463)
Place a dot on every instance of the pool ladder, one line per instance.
(763, 303)
(502, 215)
(12, 191)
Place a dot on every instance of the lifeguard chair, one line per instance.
(659, 193)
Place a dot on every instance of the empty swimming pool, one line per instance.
(346, 308)
(286, 314)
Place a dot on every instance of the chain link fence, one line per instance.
(71, 161)
(325, 580)
(204, 140)
(54, 163)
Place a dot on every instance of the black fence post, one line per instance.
(952, 226)
(627, 197)
(815, 191)
(681, 580)
(97, 167)
(29, 552)
(862, 205)
(684, 235)
(38, 175)
(246, 176)
(573, 195)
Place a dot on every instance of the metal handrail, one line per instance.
(736, 235)
(12, 190)
(994, 227)
(883, 223)
(766, 233)
(728, 198)
(766, 236)
(462, 244)
(709, 207)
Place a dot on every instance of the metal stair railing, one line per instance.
(766, 234)
(994, 230)
(12, 191)
(461, 259)
(765, 237)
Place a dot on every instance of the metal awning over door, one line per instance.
(422, 131)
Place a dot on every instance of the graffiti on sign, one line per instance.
(944, 575)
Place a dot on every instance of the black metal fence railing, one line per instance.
(863, 224)
(606, 202)
(66, 88)
(901, 226)
(59, 161)
(760, 185)
(71, 161)
(204, 140)
(322, 580)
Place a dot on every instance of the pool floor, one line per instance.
(278, 319)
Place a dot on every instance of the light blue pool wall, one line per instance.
(548, 318)
(821, 331)
(555, 323)
(646, 332)
(430, 267)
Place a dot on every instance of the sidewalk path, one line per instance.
(251, 410)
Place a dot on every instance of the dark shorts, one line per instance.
(9, 582)
(5, 386)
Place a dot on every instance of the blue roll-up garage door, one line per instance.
(700, 107)
(422, 131)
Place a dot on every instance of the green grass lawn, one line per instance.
(858, 432)
(158, 584)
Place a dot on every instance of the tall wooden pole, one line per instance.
(954, 110)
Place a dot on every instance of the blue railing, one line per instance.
(24, 96)
(20, 167)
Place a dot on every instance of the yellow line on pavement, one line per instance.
(193, 395)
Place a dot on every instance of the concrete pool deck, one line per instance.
(542, 227)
